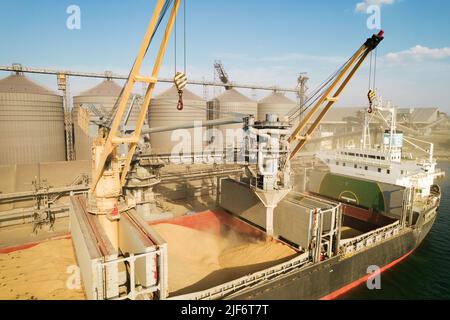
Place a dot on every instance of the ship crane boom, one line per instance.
(109, 168)
(331, 94)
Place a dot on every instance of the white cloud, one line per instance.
(418, 53)
(362, 6)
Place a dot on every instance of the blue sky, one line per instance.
(267, 42)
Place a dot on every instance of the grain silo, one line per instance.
(276, 103)
(231, 104)
(163, 112)
(31, 122)
(103, 97)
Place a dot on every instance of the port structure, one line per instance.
(222, 74)
(266, 141)
(110, 75)
(110, 171)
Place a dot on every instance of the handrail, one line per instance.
(248, 281)
(380, 163)
(386, 232)
(131, 259)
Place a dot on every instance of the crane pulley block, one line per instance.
(180, 81)
(372, 96)
(375, 40)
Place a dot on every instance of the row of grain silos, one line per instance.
(32, 118)
(230, 104)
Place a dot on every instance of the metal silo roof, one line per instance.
(233, 95)
(277, 98)
(21, 84)
(172, 93)
(107, 88)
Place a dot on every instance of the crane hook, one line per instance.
(180, 81)
(180, 104)
(372, 96)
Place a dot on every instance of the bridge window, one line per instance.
(366, 168)
(379, 170)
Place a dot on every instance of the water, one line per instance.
(426, 273)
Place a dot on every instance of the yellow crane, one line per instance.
(332, 94)
(109, 169)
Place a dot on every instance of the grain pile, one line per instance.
(38, 273)
(198, 260)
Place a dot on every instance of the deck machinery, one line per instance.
(122, 257)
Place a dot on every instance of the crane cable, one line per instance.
(113, 112)
(297, 112)
(317, 93)
(184, 40)
(184, 29)
(372, 95)
(180, 78)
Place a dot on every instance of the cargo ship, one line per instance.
(365, 207)
(324, 239)
(361, 208)
(388, 205)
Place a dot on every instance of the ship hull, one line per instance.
(334, 277)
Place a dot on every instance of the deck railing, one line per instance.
(247, 282)
(352, 245)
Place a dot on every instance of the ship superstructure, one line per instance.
(386, 162)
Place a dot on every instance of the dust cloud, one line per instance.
(200, 259)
